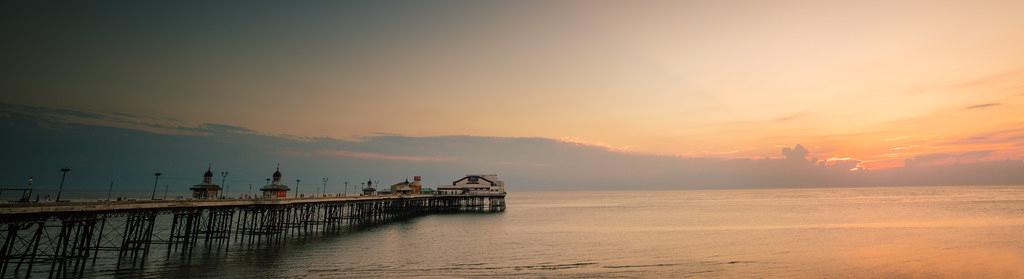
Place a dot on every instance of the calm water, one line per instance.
(838, 232)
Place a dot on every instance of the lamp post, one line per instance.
(26, 196)
(297, 187)
(155, 180)
(110, 190)
(223, 179)
(346, 188)
(64, 173)
(324, 190)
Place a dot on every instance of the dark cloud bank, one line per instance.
(104, 147)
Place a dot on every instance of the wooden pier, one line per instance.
(60, 240)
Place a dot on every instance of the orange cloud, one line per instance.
(377, 156)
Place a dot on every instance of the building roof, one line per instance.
(402, 186)
(400, 183)
(207, 183)
(478, 177)
(275, 187)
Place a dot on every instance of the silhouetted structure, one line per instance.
(275, 189)
(369, 190)
(207, 189)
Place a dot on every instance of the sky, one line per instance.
(880, 84)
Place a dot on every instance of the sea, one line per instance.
(867, 232)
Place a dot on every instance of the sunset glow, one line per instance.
(878, 82)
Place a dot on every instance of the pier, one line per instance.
(62, 239)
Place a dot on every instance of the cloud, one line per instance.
(378, 156)
(993, 79)
(797, 153)
(609, 147)
(1004, 136)
(989, 79)
(980, 106)
(100, 153)
(124, 120)
(116, 119)
(947, 158)
(224, 128)
(792, 116)
(848, 164)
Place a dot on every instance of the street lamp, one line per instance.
(26, 196)
(64, 173)
(324, 193)
(223, 178)
(346, 188)
(155, 180)
(110, 190)
(297, 187)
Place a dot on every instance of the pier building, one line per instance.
(276, 189)
(369, 190)
(207, 189)
(474, 183)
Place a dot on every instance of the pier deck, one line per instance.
(23, 209)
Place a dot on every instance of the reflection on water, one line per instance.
(847, 232)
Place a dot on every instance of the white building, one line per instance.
(474, 183)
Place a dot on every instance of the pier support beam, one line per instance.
(137, 238)
(60, 244)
